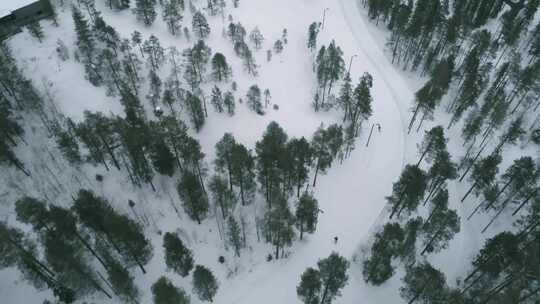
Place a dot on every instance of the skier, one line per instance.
(335, 239)
(379, 127)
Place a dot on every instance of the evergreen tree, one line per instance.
(300, 156)
(483, 174)
(388, 244)
(326, 145)
(223, 196)
(200, 26)
(423, 283)
(177, 256)
(278, 46)
(67, 143)
(220, 69)
(162, 158)
(313, 32)
(360, 109)
(334, 276)
(196, 111)
(279, 224)
(228, 102)
(441, 225)
(270, 151)
(154, 94)
(408, 190)
(145, 11)
(224, 156)
(205, 284)
(164, 292)
(35, 29)
(242, 172)
(256, 38)
(122, 282)
(172, 15)
(155, 53)
(253, 98)
(310, 286)
(233, 235)
(125, 235)
(193, 196)
(307, 212)
(217, 99)
(432, 144)
(86, 46)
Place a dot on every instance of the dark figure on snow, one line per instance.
(335, 239)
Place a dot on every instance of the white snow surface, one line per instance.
(351, 194)
(8, 6)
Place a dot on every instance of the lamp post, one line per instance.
(350, 63)
(324, 17)
(371, 131)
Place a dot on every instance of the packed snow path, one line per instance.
(351, 194)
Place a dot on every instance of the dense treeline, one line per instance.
(481, 61)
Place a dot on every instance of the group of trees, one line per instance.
(73, 241)
(323, 285)
(493, 73)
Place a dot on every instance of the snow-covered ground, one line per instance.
(352, 194)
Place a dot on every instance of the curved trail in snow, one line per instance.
(351, 194)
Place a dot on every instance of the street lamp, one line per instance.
(372, 126)
(324, 17)
(350, 63)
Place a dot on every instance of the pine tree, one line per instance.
(408, 190)
(67, 143)
(217, 99)
(360, 109)
(223, 196)
(220, 69)
(388, 244)
(155, 53)
(162, 158)
(122, 282)
(310, 286)
(177, 256)
(172, 15)
(35, 29)
(200, 26)
(278, 46)
(154, 93)
(193, 197)
(441, 225)
(270, 151)
(145, 11)
(307, 212)
(432, 144)
(224, 156)
(334, 276)
(164, 292)
(196, 111)
(242, 172)
(233, 235)
(125, 235)
(228, 102)
(301, 156)
(253, 98)
(423, 283)
(256, 38)
(483, 174)
(326, 144)
(86, 46)
(279, 222)
(313, 31)
(205, 284)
